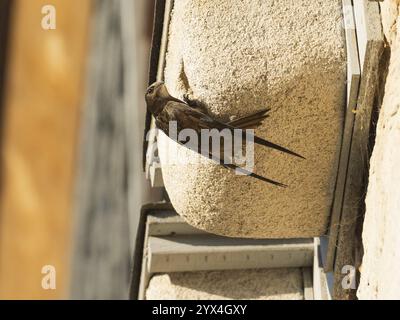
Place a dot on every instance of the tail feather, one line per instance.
(253, 120)
(268, 144)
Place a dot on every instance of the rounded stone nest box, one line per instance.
(238, 57)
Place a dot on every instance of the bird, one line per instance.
(189, 114)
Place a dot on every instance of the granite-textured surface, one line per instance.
(237, 57)
(262, 284)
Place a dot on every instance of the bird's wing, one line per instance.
(194, 119)
(189, 118)
(252, 121)
(162, 121)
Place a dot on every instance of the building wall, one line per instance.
(380, 278)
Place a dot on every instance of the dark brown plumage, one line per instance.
(190, 115)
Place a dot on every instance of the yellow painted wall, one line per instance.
(44, 91)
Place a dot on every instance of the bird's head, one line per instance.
(156, 96)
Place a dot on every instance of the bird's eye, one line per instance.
(150, 91)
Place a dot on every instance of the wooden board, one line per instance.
(353, 82)
(370, 45)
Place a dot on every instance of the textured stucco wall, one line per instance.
(237, 57)
(380, 277)
(262, 284)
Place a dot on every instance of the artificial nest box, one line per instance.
(262, 60)
(237, 60)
